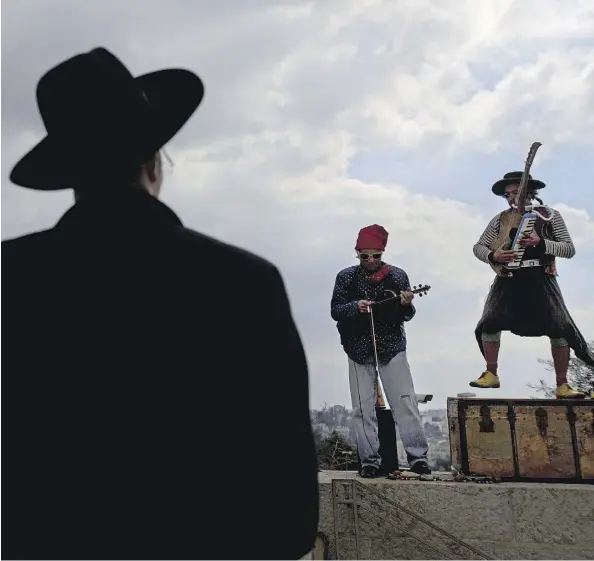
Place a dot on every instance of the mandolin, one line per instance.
(421, 290)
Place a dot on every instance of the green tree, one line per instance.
(579, 375)
(335, 453)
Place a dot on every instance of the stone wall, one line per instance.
(504, 520)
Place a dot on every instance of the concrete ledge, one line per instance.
(504, 520)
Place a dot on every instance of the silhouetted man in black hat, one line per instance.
(119, 341)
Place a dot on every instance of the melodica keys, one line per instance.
(526, 227)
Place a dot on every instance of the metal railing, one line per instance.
(404, 521)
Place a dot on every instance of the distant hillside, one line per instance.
(337, 418)
(333, 418)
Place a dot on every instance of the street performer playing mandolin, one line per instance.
(527, 302)
(357, 289)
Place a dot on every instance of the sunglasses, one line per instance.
(166, 162)
(368, 256)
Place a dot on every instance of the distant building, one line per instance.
(345, 432)
(338, 418)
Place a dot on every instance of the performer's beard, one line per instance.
(371, 266)
(513, 201)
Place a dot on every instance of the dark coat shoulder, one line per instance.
(147, 368)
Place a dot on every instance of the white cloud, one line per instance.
(294, 92)
(580, 225)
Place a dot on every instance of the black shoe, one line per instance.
(421, 468)
(369, 472)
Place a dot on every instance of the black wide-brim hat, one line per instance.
(98, 114)
(513, 177)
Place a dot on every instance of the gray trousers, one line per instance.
(400, 393)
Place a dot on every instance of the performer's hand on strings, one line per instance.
(406, 298)
(504, 256)
(530, 239)
(363, 306)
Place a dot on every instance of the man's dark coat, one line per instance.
(155, 396)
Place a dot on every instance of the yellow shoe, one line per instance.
(565, 391)
(486, 380)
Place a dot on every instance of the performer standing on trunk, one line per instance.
(355, 290)
(529, 303)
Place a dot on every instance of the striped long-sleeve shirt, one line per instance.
(560, 243)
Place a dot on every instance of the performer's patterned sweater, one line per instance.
(390, 337)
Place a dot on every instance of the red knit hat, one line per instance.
(372, 237)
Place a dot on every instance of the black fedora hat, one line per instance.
(95, 111)
(513, 177)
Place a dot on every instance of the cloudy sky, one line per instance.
(322, 117)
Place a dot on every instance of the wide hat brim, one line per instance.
(174, 95)
(499, 187)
